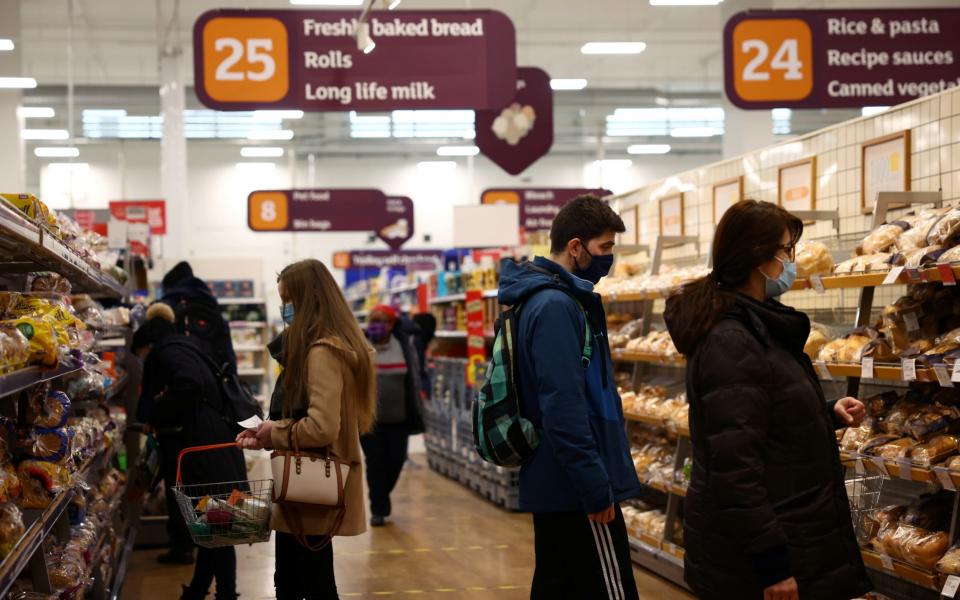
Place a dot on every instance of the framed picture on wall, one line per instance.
(885, 167)
(726, 194)
(797, 185)
(649, 222)
(671, 215)
(630, 218)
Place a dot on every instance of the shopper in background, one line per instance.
(180, 400)
(198, 312)
(328, 400)
(582, 469)
(398, 408)
(766, 513)
(427, 323)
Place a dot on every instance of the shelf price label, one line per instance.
(951, 586)
(823, 370)
(892, 276)
(866, 367)
(816, 282)
(943, 375)
(946, 274)
(909, 369)
(945, 480)
(955, 375)
(887, 562)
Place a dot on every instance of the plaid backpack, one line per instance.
(500, 434)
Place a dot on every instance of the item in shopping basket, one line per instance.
(11, 528)
(882, 238)
(813, 258)
(937, 449)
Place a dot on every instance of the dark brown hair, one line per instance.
(322, 312)
(749, 234)
(584, 218)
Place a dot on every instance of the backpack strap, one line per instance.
(586, 353)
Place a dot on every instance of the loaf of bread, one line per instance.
(896, 449)
(877, 441)
(920, 547)
(950, 563)
(950, 256)
(882, 238)
(815, 341)
(854, 437)
(813, 258)
(937, 449)
(944, 232)
(931, 420)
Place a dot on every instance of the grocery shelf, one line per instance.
(31, 541)
(888, 372)
(17, 381)
(873, 560)
(120, 572)
(683, 431)
(666, 488)
(862, 280)
(459, 335)
(461, 297)
(902, 469)
(655, 555)
(248, 324)
(30, 247)
(249, 348)
(241, 301)
(649, 357)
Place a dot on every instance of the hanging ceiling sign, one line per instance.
(310, 60)
(515, 136)
(839, 58)
(151, 212)
(331, 210)
(377, 259)
(538, 206)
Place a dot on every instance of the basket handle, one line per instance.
(192, 449)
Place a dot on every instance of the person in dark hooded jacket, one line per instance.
(180, 400)
(197, 312)
(582, 469)
(766, 514)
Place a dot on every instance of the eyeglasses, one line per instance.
(790, 250)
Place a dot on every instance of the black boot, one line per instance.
(378, 521)
(175, 556)
(189, 594)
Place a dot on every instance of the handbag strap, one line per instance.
(293, 520)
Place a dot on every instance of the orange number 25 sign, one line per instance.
(245, 59)
(772, 60)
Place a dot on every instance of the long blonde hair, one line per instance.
(322, 311)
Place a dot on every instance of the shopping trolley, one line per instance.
(224, 514)
(864, 491)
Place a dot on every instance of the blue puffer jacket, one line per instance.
(583, 462)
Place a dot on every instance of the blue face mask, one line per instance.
(780, 285)
(286, 311)
(598, 268)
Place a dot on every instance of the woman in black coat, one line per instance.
(766, 515)
(180, 400)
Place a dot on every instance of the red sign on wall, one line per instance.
(310, 60)
(151, 212)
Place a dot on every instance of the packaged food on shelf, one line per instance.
(934, 451)
(47, 281)
(813, 258)
(818, 338)
(116, 317)
(919, 258)
(655, 342)
(870, 263)
(50, 445)
(14, 349)
(668, 281)
(854, 437)
(882, 239)
(88, 310)
(896, 449)
(932, 419)
(11, 527)
(920, 547)
(32, 207)
(41, 481)
(48, 409)
(896, 420)
(950, 256)
(876, 442)
(930, 511)
(945, 230)
(920, 225)
(625, 333)
(915, 534)
(950, 563)
(860, 343)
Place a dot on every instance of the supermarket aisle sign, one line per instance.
(538, 206)
(377, 259)
(516, 136)
(151, 212)
(328, 210)
(309, 60)
(839, 58)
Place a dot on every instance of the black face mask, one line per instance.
(598, 268)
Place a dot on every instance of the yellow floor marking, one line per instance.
(397, 551)
(413, 592)
(450, 548)
(500, 546)
(423, 549)
(510, 587)
(445, 590)
(476, 588)
(475, 548)
(384, 593)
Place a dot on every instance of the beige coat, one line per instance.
(332, 420)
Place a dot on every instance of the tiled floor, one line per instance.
(444, 542)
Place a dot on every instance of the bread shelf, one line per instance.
(17, 381)
(30, 542)
(667, 488)
(885, 372)
(683, 431)
(649, 357)
(873, 560)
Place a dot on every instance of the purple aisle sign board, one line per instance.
(840, 58)
(538, 206)
(515, 136)
(399, 228)
(318, 210)
(309, 60)
(378, 259)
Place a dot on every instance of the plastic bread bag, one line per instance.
(11, 528)
(14, 349)
(52, 445)
(917, 348)
(950, 256)
(813, 258)
(10, 489)
(882, 238)
(950, 563)
(930, 511)
(8, 300)
(931, 420)
(938, 354)
(877, 441)
(880, 404)
(41, 481)
(937, 449)
(48, 282)
(920, 225)
(879, 348)
(854, 437)
(42, 338)
(818, 338)
(919, 258)
(945, 230)
(921, 547)
(897, 449)
(50, 410)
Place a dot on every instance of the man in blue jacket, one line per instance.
(582, 470)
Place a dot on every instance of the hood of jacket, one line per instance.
(519, 280)
(192, 289)
(769, 321)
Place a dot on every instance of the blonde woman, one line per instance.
(329, 399)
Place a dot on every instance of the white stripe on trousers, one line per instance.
(608, 557)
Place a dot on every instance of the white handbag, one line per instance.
(308, 478)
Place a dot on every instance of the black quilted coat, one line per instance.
(767, 499)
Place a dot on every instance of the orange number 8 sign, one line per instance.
(245, 59)
(268, 211)
(772, 60)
